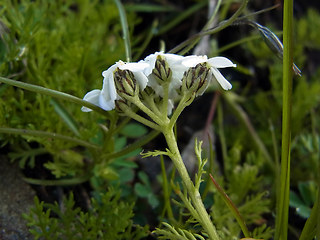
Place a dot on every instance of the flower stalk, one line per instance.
(193, 192)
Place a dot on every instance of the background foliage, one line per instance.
(65, 45)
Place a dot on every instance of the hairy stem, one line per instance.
(193, 192)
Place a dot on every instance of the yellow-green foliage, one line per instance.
(61, 45)
(107, 218)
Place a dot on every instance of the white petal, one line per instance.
(108, 93)
(133, 66)
(109, 71)
(177, 71)
(141, 79)
(221, 62)
(173, 94)
(174, 62)
(172, 59)
(106, 105)
(151, 60)
(109, 90)
(157, 88)
(191, 61)
(170, 107)
(137, 69)
(92, 97)
(221, 80)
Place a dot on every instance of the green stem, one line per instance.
(136, 101)
(221, 26)
(36, 133)
(151, 104)
(309, 230)
(235, 212)
(149, 101)
(128, 112)
(206, 27)
(283, 198)
(53, 93)
(137, 144)
(193, 193)
(185, 14)
(166, 192)
(58, 182)
(125, 29)
(183, 103)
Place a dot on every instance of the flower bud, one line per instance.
(122, 105)
(161, 71)
(126, 85)
(197, 79)
(148, 90)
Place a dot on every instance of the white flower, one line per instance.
(174, 62)
(106, 97)
(142, 71)
(215, 63)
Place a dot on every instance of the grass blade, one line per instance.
(66, 117)
(235, 212)
(53, 93)
(125, 29)
(281, 232)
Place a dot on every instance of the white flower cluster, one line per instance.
(142, 72)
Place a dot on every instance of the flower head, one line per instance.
(126, 84)
(127, 79)
(214, 63)
(106, 97)
(174, 63)
(196, 79)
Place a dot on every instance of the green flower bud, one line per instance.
(148, 90)
(122, 105)
(161, 71)
(196, 79)
(125, 83)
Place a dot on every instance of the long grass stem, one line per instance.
(125, 29)
(281, 232)
(235, 212)
(50, 135)
(53, 93)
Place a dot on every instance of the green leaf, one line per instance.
(124, 163)
(66, 117)
(125, 175)
(295, 200)
(144, 178)
(304, 211)
(134, 130)
(153, 201)
(301, 208)
(308, 192)
(141, 190)
(120, 143)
